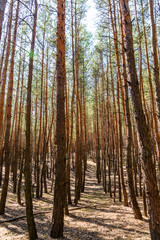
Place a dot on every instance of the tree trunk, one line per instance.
(136, 209)
(98, 164)
(7, 141)
(28, 182)
(59, 192)
(155, 55)
(2, 9)
(2, 94)
(143, 129)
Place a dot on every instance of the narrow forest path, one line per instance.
(96, 217)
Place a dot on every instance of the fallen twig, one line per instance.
(22, 216)
(44, 212)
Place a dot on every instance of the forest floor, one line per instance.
(96, 217)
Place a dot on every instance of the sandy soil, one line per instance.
(96, 217)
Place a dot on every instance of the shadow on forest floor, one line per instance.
(96, 217)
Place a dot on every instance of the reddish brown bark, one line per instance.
(60, 166)
(7, 140)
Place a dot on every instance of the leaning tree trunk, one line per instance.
(143, 129)
(60, 186)
(135, 207)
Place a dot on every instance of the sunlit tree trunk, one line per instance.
(155, 55)
(7, 140)
(60, 167)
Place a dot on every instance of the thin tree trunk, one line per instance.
(3, 53)
(117, 157)
(140, 60)
(2, 10)
(85, 134)
(114, 28)
(155, 55)
(98, 165)
(16, 134)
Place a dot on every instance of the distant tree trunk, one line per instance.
(125, 200)
(103, 123)
(85, 134)
(50, 139)
(45, 129)
(59, 192)
(28, 178)
(115, 130)
(78, 156)
(19, 134)
(20, 182)
(72, 110)
(108, 150)
(155, 55)
(114, 28)
(135, 163)
(143, 129)
(35, 139)
(140, 59)
(39, 144)
(97, 140)
(144, 201)
(67, 147)
(3, 53)
(2, 9)
(16, 132)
